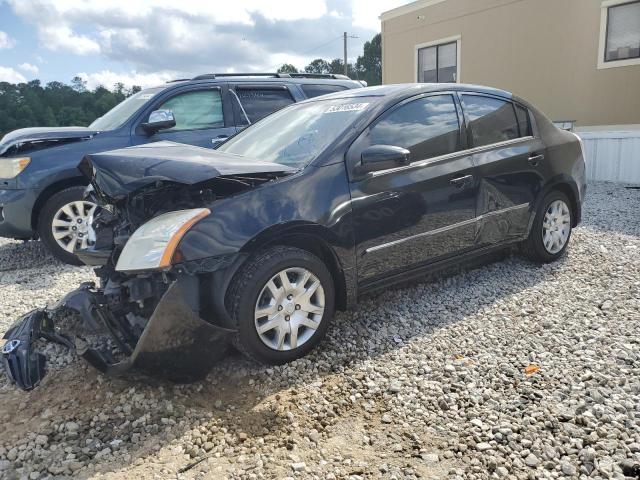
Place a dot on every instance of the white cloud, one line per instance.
(8, 74)
(29, 68)
(199, 36)
(6, 41)
(63, 38)
(366, 12)
(108, 79)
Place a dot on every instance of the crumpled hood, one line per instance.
(26, 135)
(117, 173)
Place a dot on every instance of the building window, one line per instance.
(623, 32)
(620, 33)
(438, 62)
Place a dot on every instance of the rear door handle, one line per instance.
(461, 182)
(535, 159)
(219, 138)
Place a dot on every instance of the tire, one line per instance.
(249, 291)
(70, 197)
(534, 247)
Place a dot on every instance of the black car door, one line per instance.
(509, 161)
(202, 113)
(420, 212)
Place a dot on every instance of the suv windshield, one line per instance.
(297, 134)
(119, 114)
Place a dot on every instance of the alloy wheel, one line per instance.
(289, 309)
(556, 226)
(71, 226)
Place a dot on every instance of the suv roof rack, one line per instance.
(211, 76)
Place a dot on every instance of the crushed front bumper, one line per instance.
(175, 343)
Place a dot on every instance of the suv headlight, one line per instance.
(11, 167)
(153, 244)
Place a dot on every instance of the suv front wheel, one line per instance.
(64, 225)
(282, 302)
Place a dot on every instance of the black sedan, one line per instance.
(258, 243)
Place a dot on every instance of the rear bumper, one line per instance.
(175, 343)
(16, 207)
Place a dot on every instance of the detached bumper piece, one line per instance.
(24, 366)
(175, 344)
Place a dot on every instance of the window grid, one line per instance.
(437, 69)
(608, 31)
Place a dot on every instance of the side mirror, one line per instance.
(159, 120)
(383, 157)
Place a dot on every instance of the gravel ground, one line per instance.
(510, 370)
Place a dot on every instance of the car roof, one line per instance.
(402, 90)
(267, 78)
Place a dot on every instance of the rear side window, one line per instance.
(260, 102)
(491, 120)
(312, 91)
(523, 121)
(195, 110)
(427, 127)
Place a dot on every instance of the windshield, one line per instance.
(297, 134)
(119, 114)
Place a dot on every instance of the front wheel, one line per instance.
(64, 224)
(551, 229)
(282, 302)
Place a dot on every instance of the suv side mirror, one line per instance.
(383, 157)
(159, 120)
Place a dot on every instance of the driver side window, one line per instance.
(428, 127)
(195, 110)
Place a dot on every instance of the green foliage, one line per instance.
(318, 66)
(287, 68)
(368, 65)
(56, 104)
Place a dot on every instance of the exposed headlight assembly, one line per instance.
(153, 244)
(11, 167)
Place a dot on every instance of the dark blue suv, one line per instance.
(41, 190)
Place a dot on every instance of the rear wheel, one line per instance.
(551, 229)
(282, 302)
(64, 225)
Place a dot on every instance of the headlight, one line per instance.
(11, 167)
(152, 245)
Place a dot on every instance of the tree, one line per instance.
(318, 66)
(79, 84)
(287, 68)
(369, 64)
(118, 88)
(56, 104)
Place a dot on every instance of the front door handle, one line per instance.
(535, 159)
(461, 182)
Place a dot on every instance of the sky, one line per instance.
(147, 42)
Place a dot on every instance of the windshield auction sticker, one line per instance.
(349, 107)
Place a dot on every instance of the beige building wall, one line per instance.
(545, 51)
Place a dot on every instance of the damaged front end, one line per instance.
(156, 330)
(161, 314)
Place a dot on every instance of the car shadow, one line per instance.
(241, 396)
